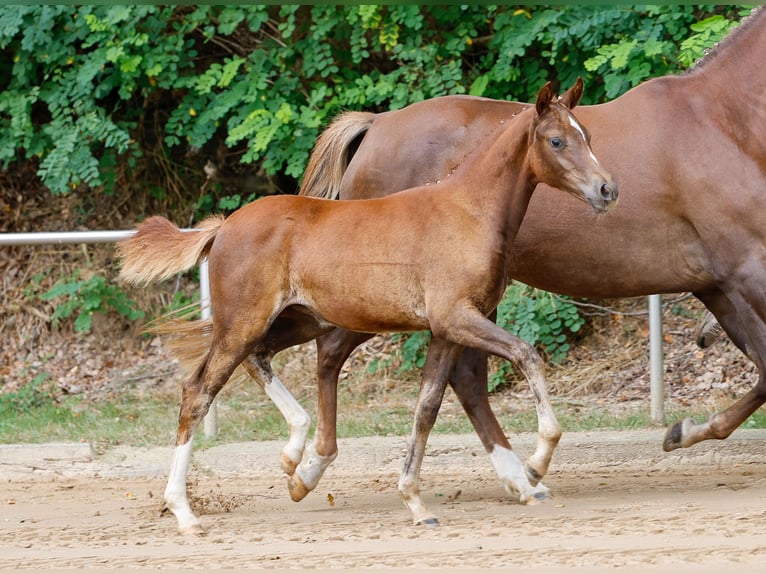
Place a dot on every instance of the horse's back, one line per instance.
(646, 139)
(440, 132)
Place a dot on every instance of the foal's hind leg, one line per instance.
(333, 349)
(292, 327)
(298, 420)
(198, 393)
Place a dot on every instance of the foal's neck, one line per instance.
(496, 181)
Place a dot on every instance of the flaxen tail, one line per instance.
(331, 154)
(160, 249)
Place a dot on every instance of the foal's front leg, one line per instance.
(439, 362)
(469, 382)
(467, 326)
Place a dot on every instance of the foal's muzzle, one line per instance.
(605, 198)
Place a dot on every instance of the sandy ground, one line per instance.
(619, 503)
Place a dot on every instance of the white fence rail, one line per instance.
(656, 361)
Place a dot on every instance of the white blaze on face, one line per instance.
(573, 122)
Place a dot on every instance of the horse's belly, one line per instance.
(371, 299)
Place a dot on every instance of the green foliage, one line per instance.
(706, 33)
(28, 398)
(653, 49)
(542, 319)
(88, 88)
(410, 353)
(180, 303)
(84, 297)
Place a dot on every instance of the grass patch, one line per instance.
(103, 424)
(142, 418)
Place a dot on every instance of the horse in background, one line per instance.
(690, 158)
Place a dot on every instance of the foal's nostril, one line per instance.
(609, 191)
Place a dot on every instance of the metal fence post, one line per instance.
(206, 311)
(656, 360)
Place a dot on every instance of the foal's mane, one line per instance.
(721, 47)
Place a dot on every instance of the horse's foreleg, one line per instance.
(468, 327)
(469, 381)
(332, 351)
(439, 362)
(747, 330)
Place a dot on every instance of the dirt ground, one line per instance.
(619, 503)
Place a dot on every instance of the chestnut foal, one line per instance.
(283, 271)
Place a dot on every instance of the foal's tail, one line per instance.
(160, 249)
(331, 154)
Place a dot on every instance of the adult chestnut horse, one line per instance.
(689, 154)
(431, 258)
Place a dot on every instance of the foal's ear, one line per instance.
(544, 97)
(572, 96)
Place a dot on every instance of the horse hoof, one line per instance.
(674, 436)
(297, 488)
(430, 522)
(288, 465)
(192, 530)
(532, 475)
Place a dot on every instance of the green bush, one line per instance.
(542, 319)
(89, 90)
(83, 297)
(29, 397)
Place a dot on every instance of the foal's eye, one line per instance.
(557, 143)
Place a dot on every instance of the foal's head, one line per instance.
(560, 153)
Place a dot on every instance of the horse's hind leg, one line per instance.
(298, 420)
(469, 381)
(198, 393)
(333, 349)
(292, 327)
(439, 362)
(741, 320)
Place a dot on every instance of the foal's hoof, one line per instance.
(674, 436)
(288, 464)
(297, 488)
(537, 498)
(430, 522)
(532, 475)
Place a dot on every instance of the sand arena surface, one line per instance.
(620, 503)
